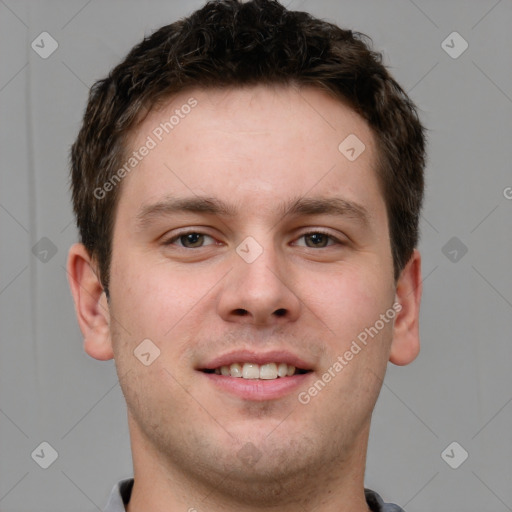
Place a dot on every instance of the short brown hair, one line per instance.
(228, 43)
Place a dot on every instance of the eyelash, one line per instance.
(171, 241)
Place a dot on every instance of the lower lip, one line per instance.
(259, 389)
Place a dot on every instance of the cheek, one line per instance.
(349, 301)
(154, 299)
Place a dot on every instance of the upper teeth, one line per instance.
(256, 371)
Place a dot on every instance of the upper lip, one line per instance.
(250, 356)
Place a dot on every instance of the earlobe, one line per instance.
(90, 303)
(405, 346)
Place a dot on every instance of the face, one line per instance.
(245, 235)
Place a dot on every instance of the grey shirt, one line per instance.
(121, 492)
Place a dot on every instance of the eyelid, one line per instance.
(311, 231)
(184, 232)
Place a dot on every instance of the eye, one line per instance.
(189, 240)
(196, 240)
(318, 239)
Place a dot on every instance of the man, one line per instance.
(247, 185)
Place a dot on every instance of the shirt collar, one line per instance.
(122, 491)
(119, 496)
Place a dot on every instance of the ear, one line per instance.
(90, 303)
(406, 337)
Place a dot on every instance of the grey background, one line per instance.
(460, 387)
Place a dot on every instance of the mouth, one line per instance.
(267, 371)
(253, 376)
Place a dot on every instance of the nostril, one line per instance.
(240, 312)
(280, 312)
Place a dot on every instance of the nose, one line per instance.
(260, 292)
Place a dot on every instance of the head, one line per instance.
(245, 225)
(230, 44)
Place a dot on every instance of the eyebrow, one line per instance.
(334, 206)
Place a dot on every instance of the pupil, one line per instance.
(192, 238)
(317, 239)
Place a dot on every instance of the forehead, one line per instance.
(253, 145)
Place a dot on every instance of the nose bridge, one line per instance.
(258, 266)
(257, 251)
(257, 290)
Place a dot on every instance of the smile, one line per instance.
(267, 371)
